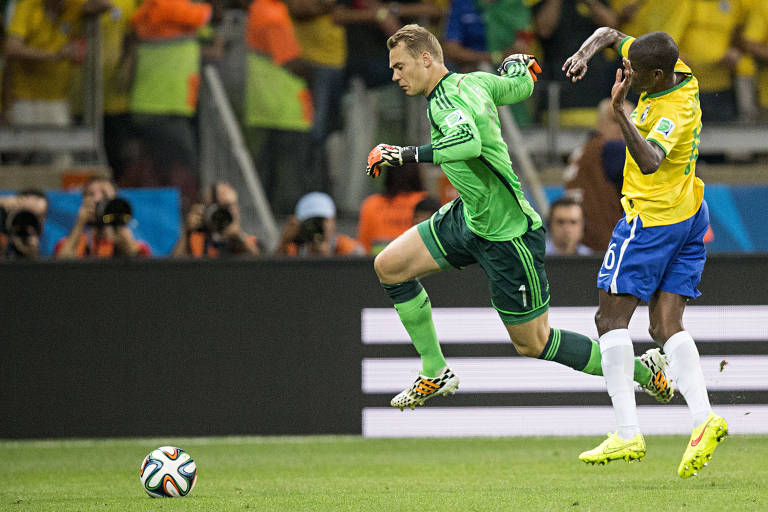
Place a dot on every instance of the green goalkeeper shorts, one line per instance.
(515, 268)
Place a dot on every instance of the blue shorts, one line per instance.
(639, 260)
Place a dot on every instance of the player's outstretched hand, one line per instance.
(575, 67)
(622, 85)
(518, 63)
(387, 155)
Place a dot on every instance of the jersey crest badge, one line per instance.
(645, 113)
(664, 126)
(455, 118)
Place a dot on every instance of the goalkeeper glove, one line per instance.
(386, 155)
(517, 64)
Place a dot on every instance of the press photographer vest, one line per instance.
(167, 76)
(274, 97)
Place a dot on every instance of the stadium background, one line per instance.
(157, 216)
(129, 348)
(289, 347)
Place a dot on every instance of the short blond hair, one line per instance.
(417, 40)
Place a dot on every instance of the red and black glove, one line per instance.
(518, 63)
(386, 155)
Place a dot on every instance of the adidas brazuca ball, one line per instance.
(168, 472)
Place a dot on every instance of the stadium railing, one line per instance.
(225, 157)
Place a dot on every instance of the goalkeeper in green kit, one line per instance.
(491, 223)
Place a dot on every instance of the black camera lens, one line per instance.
(310, 228)
(218, 218)
(115, 212)
(24, 224)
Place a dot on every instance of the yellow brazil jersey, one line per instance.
(651, 15)
(672, 120)
(115, 24)
(707, 37)
(322, 41)
(756, 31)
(746, 66)
(43, 80)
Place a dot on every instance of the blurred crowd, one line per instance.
(300, 58)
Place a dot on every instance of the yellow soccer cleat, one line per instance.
(615, 448)
(704, 440)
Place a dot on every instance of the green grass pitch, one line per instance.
(338, 473)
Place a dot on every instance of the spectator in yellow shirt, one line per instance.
(324, 48)
(41, 44)
(707, 45)
(755, 43)
(117, 54)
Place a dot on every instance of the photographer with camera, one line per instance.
(21, 224)
(311, 231)
(101, 229)
(212, 228)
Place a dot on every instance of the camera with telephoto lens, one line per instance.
(217, 218)
(310, 229)
(22, 223)
(113, 212)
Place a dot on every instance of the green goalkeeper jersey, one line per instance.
(467, 144)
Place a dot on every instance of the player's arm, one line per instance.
(303, 10)
(506, 90)
(461, 141)
(575, 66)
(16, 49)
(518, 73)
(758, 50)
(647, 154)
(755, 35)
(95, 7)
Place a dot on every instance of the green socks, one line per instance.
(582, 354)
(565, 347)
(643, 374)
(415, 311)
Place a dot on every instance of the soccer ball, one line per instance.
(168, 472)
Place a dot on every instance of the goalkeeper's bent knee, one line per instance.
(403, 292)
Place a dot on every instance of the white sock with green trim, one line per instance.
(685, 367)
(618, 362)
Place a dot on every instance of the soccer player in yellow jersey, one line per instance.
(656, 253)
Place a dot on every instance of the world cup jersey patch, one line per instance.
(455, 118)
(664, 126)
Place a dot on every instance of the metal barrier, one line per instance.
(224, 156)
